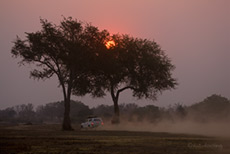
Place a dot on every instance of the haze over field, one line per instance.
(194, 34)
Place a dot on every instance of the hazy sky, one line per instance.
(195, 34)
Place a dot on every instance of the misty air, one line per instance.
(115, 77)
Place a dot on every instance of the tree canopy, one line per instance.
(131, 63)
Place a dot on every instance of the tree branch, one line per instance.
(112, 93)
(48, 65)
(122, 89)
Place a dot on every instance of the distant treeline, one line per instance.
(213, 108)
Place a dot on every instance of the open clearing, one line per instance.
(50, 139)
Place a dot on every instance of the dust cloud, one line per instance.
(216, 129)
(210, 117)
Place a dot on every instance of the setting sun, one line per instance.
(110, 44)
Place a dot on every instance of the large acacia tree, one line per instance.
(64, 50)
(139, 65)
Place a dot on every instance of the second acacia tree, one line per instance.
(136, 64)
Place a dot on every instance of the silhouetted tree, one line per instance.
(132, 63)
(180, 110)
(7, 114)
(104, 111)
(214, 107)
(63, 50)
(149, 112)
(25, 113)
(53, 112)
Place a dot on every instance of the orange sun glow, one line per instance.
(110, 44)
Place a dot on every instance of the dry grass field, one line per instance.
(50, 139)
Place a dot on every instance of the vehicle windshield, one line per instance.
(97, 120)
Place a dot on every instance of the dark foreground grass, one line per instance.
(50, 139)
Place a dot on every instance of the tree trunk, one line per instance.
(66, 125)
(66, 121)
(116, 116)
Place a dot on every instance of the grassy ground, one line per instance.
(50, 139)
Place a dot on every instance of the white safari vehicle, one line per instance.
(92, 122)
